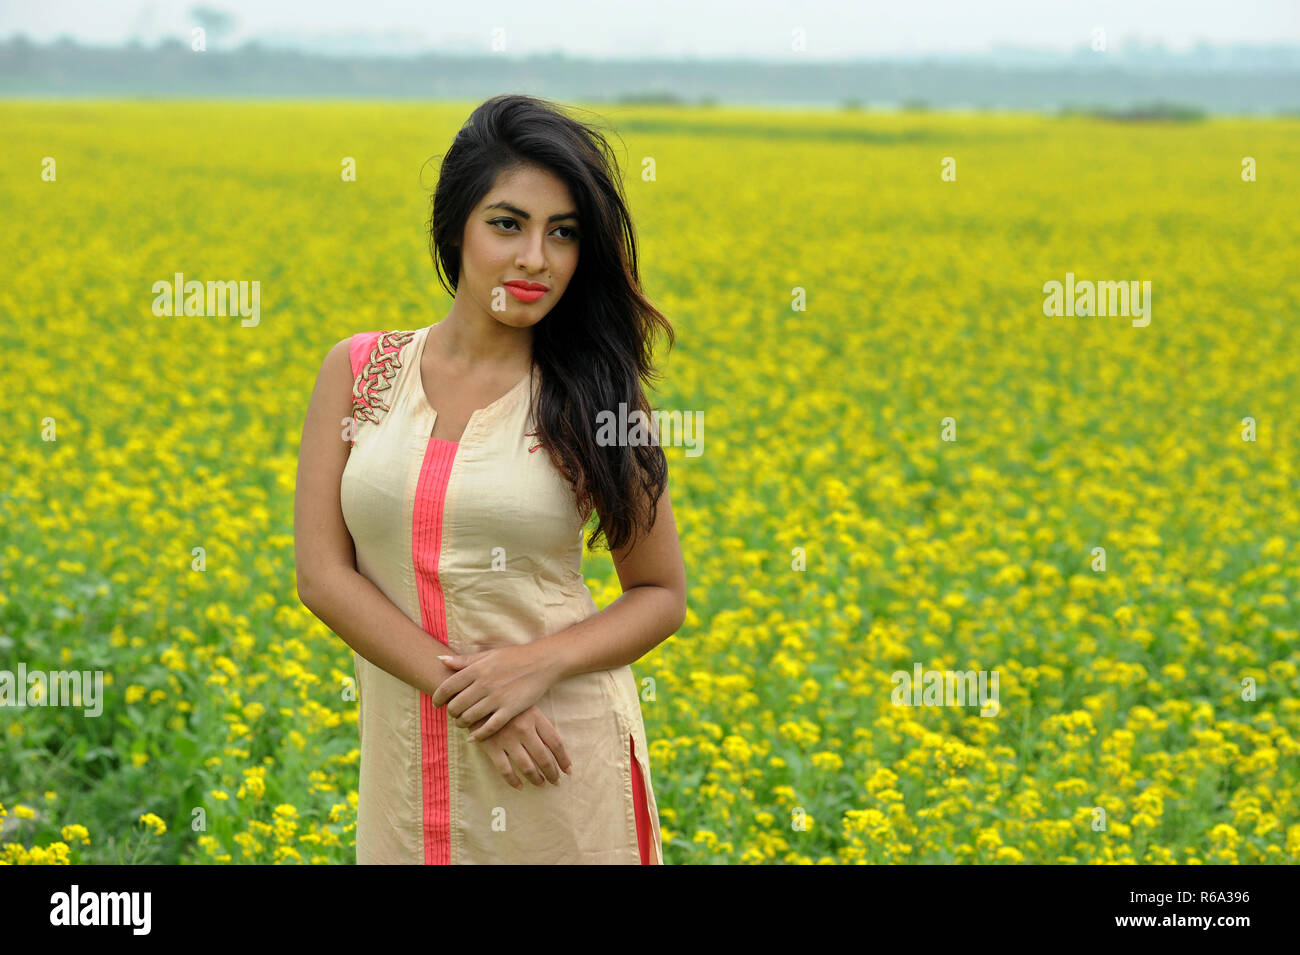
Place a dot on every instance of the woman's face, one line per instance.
(525, 230)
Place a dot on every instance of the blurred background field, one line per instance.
(774, 738)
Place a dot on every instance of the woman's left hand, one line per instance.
(499, 684)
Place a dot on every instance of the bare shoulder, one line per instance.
(337, 366)
(332, 397)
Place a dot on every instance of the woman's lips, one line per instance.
(525, 294)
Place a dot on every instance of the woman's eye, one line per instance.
(573, 233)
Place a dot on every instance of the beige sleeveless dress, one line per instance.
(427, 518)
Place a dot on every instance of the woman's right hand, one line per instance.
(530, 742)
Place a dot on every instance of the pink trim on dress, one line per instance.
(359, 348)
(374, 366)
(426, 533)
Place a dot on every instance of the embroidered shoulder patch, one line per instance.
(376, 376)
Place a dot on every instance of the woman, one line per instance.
(454, 508)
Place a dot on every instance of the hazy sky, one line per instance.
(619, 28)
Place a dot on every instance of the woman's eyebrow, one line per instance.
(524, 215)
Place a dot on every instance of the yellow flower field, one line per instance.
(907, 466)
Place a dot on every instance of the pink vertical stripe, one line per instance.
(430, 491)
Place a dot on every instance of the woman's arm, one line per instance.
(328, 582)
(651, 609)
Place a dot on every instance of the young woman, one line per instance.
(441, 538)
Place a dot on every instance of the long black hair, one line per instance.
(594, 348)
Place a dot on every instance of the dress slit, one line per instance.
(642, 812)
